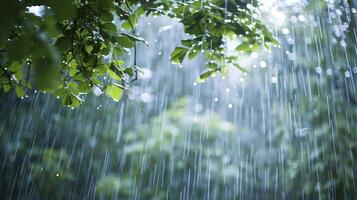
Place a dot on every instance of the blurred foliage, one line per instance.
(186, 149)
(75, 47)
(49, 171)
(108, 187)
(323, 156)
(321, 100)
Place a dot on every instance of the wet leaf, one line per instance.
(242, 69)
(125, 41)
(205, 75)
(63, 9)
(19, 91)
(178, 55)
(106, 16)
(114, 91)
(110, 27)
(135, 38)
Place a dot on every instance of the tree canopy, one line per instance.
(70, 48)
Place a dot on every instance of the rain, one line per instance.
(284, 129)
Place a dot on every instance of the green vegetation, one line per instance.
(320, 134)
(251, 138)
(71, 47)
(163, 147)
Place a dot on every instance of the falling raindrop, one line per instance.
(97, 91)
(146, 97)
(347, 74)
(198, 108)
(285, 31)
(318, 70)
(278, 133)
(263, 64)
(354, 70)
(291, 56)
(301, 18)
(329, 72)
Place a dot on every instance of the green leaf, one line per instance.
(130, 71)
(193, 53)
(178, 55)
(67, 100)
(119, 51)
(115, 72)
(113, 75)
(205, 75)
(51, 26)
(90, 60)
(268, 37)
(71, 100)
(19, 75)
(140, 11)
(19, 91)
(102, 70)
(33, 19)
(15, 66)
(6, 87)
(187, 43)
(224, 71)
(119, 62)
(115, 92)
(105, 51)
(243, 47)
(136, 38)
(211, 65)
(106, 16)
(242, 69)
(110, 27)
(48, 77)
(89, 48)
(124, 41)
(73, 71)
(130, 23)
(63, 9)
(123, 14)
(83, 87)
(247, 47)
(18, 48)
(63, 43)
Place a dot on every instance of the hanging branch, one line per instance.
(133, 32)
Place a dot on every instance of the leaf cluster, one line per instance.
(70, 48)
